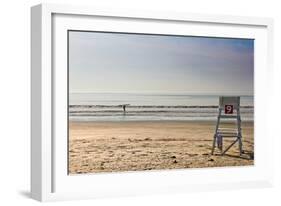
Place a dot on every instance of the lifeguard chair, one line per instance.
(229, 108)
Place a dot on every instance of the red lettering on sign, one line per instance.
(228, 109)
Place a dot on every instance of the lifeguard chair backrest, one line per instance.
(229, 100)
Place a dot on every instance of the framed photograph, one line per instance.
(137, 102)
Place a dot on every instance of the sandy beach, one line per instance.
(130, 146)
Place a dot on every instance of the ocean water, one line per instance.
(149, 107)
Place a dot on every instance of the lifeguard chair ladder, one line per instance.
(229, 108)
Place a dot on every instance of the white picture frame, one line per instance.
(49, 180)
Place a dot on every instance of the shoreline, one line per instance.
(136, 121)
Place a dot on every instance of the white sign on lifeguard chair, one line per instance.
(229, 108)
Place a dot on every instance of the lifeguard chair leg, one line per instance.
(239, 132)
(214, 144)
(240, 145)
(216, 131)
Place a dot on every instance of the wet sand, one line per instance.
(130, 146)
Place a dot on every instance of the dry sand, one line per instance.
(131, 146)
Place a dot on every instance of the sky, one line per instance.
(118, 62)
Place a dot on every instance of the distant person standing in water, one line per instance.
(124, 107)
